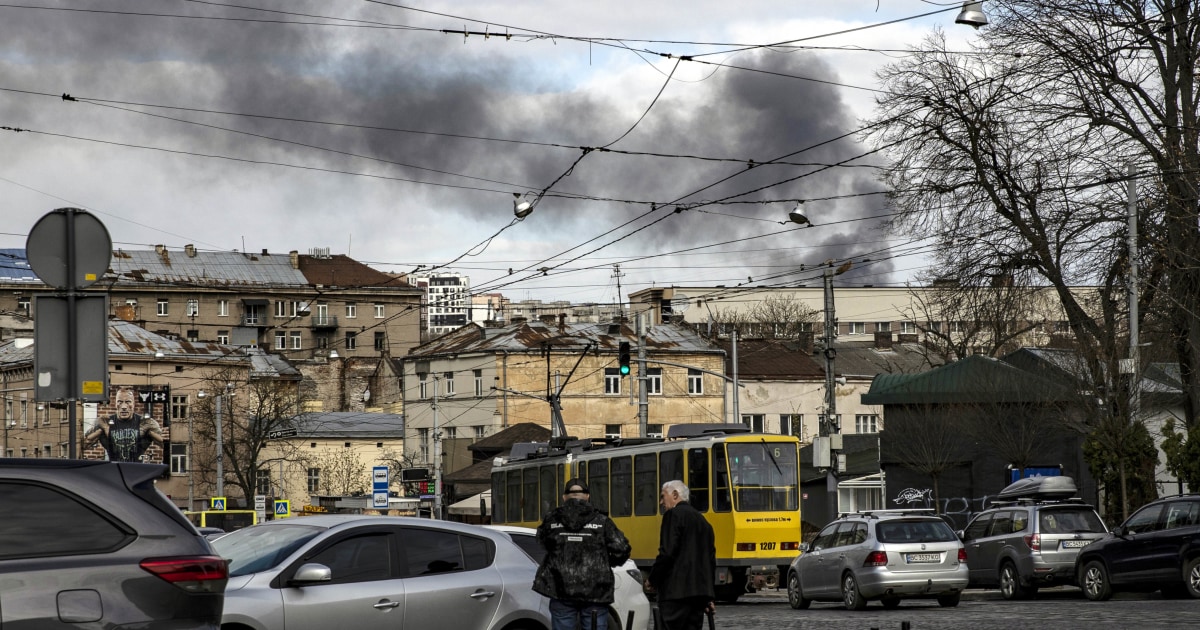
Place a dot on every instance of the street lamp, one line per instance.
(220, 443)
(972, 15)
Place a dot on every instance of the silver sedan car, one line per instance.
(350, 571)
(883, 555)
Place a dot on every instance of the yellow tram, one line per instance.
(746, 484)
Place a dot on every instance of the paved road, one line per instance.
(1055, 609)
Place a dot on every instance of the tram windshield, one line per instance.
(765, 477)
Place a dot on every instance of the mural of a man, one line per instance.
(125, 434)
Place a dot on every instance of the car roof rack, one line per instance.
(896, 512)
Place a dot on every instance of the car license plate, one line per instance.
(924, 557)
(1074, 544)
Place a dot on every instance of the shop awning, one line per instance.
(470, 505)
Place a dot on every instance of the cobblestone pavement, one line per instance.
(1055, 609)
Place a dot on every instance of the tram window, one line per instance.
(670, 467)
(514, 496)
(498, 496)
(645, 484)
(549, 493)
(622, 486)
(720, 478)
(530, 481)
(598, 483)
(697, 460)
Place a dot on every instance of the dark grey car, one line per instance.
(93, 544)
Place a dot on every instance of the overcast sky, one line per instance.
(380, 136)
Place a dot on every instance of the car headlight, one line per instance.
(635, 574)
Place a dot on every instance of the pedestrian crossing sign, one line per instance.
(216, 503)
(283, 509)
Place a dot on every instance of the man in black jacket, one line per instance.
(686, 566)
(582, 546)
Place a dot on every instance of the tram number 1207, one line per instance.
(767, 546)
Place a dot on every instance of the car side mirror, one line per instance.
(961, 535)
(804, 547)
(311, 573)
(1120, 530)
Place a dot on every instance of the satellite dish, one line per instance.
(680, 303)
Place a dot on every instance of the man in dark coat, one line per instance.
(582, 546)
(686, 566)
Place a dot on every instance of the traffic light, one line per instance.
(623, 357)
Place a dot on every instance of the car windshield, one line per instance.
(1069, 521)
(914, 532)
(258, 548)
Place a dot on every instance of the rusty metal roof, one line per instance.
(342, 271)
(526, 336)
(218, 269)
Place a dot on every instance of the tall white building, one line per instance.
(446, 303)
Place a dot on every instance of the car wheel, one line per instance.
(1010, 583)
(890, 602)
(949, 601)
(795, 597)
(1191, 577)
(851, 596)
(1094, 581)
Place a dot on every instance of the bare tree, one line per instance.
(927, 439)
(971, 313)
(1019, 161)
(343, 472)
(773, 317)
(250, 413)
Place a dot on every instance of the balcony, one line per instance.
(323, 321)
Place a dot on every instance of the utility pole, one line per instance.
(617, 274)
(737, 413)
(437, 454)
(827, 427)
(220, 451)
(643, 377)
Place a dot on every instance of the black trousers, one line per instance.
(682, 614)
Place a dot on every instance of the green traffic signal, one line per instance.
(623, 357)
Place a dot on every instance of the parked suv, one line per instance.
(1157, 547)
(93, 544)
(887, 555)
(1030, 537)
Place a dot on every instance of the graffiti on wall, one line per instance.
(964, 507)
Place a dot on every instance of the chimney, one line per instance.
(265, 252)
(163, 254)
(883, 339)
(190, 250)
(805, 339)
(160, 249)
(562, 322)
(294, 258)
(127, 312)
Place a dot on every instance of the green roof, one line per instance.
(974, 379)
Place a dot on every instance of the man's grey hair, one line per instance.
(677, 486)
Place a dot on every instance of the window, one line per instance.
(430, 551)
(351, 310)
(253, 314)
(299, 308)
(280, 308)
(179, 407)
(49, 522)
(314, 480)
(654, 381)
(755, 422)
(380, 339)
(934, 327)
(262, 481)
(24, 413)
(1062, 326)
(423, 444)
(645, 484)
(695, 381)
(621, 491)
(479, 432)
(364, 558)
(612, 431)
(866, 423)
(654, 430)
(163, 307)
(449, 376)
(46, 451)
(351, 340)
(193, 335)
(883, 326)
(908, 327)
(297, 340)
(179, 459)
(612, 380)
(958, 327)
(856, 328)
(23, 304)
(193, 307)
(791, 424)
(478, 382)
(223, 337)
(222, 308)
(451, 433)
(280, 340)
(379, 311)
(422, 386)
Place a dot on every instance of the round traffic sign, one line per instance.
(66, 239)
